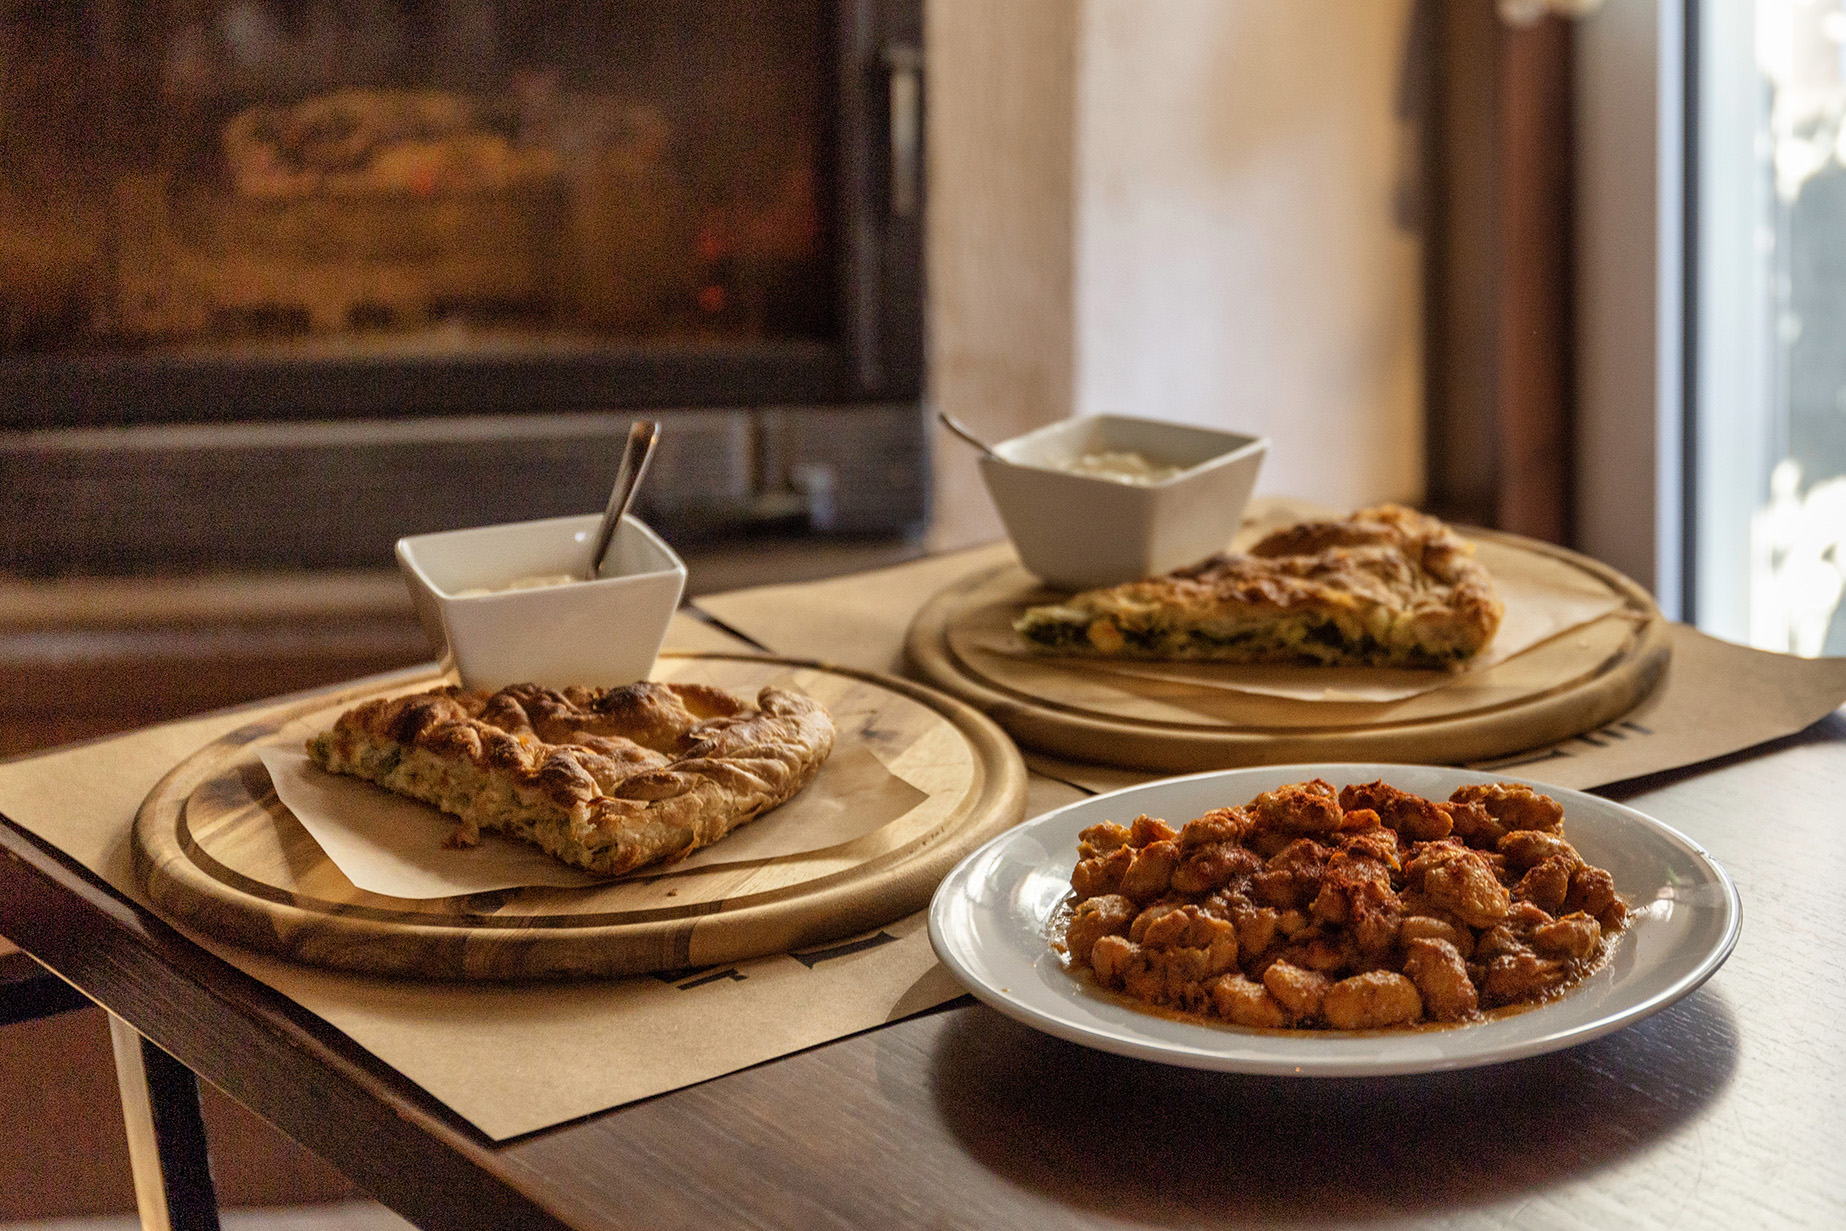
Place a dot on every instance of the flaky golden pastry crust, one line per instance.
(1387, 587)
(608, 779)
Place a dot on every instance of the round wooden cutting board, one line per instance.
(1081, 708)
(216, 849)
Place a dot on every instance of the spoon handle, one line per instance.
(642, 438)
(962, 430)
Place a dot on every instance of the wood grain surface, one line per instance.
(1561, 687)
(215, 848)
(1721, 1112)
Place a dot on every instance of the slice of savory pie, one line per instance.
(1385, 587)
(606, 779)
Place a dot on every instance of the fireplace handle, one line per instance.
(904, 62)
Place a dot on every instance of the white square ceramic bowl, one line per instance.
(1076, 531)
(605, 632)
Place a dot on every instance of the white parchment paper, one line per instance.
(385, 843)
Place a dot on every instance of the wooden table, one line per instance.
(1727, 1110)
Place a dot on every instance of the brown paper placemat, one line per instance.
(856, 621)
(1717, 698)
(510, 1060)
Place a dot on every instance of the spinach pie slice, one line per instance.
(607, 779)
(1386, 587)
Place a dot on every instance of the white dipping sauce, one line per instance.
(1120, 467)
(538, 581)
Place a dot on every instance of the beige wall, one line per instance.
(1187, 209)
(1245, 169)
(1001, 95)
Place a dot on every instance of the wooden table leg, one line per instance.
(166, 1135)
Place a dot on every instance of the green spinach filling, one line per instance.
(1302, 640)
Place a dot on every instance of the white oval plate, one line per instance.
(990, 924)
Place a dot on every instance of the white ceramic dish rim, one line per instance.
(1040, 993)
(408, 554)
(1253, 444)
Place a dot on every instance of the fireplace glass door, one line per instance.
(414, 175)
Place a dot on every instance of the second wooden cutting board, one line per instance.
(1082, 709)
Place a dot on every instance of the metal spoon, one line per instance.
(642, 438)
(961, 429)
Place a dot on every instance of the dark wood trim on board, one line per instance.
(1535, 289)
(1499, 251)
